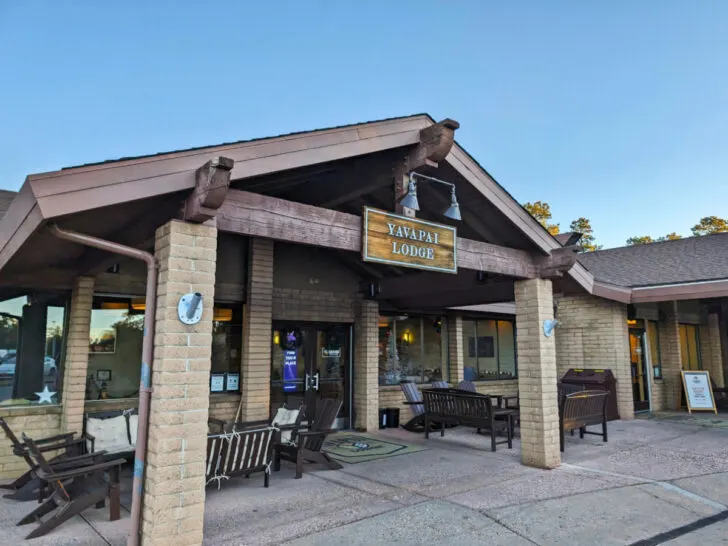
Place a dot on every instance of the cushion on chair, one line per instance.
(111, 434)
(285, 417)
(133, 428)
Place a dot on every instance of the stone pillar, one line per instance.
(366, 366)
(455, 349)
(537, 375)
(258, 332)
(174, 485)
(714, 362)
(76, 363)
(670, 355)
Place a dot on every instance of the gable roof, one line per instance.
(688, 260)
(6, 197)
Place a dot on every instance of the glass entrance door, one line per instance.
(310, 363)
(640, 379)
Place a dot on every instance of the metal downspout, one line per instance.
(147, 355)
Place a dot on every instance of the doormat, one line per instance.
(355, 448)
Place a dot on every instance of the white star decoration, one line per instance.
(45, 395)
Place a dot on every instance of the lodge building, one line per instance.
(316, 281)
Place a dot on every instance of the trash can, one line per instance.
(596, 379)
(392, 418)
(382, 418)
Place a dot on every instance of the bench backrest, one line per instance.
(584, 407)
(457, 404)
(237, 452)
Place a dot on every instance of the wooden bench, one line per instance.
(580, 410)
(470, 409)
(238, 453)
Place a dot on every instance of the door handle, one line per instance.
(312, 381)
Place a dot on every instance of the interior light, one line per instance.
(114, 305)
(276, 337)
(632, 322)
(407, 336)
(222, 314)
(138, 304)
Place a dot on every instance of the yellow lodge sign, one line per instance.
(408, 242)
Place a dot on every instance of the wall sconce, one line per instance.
(407, 337)
(409, 200)
(276, 338)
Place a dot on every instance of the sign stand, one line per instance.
(698, 391)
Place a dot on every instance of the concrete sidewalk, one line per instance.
(659, 479)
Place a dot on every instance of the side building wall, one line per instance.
(593, 334)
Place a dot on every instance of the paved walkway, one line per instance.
(657, 481)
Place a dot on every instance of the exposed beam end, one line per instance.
(212, 181)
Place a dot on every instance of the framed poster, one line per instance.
(217, 382)
(233, 382)
(698, 391)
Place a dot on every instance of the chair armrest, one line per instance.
(80, 459)
(81, 471)
(67, 436)
(414, 403)
(322, 432)
(251, 424)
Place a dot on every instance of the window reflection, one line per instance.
(31, 347)
(490, 350)
(412, 349)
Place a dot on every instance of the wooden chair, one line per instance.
(414, 401)
(75, 488)
(306, 443)
(583, 409)
(26, 486)
(467, 386)
(239, 452)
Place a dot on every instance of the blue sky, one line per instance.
(614, 110)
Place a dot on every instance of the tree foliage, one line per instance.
(583, 225)
(709, 225)
(640, 240)
(541, 211)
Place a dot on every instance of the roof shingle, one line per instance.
(668, 262)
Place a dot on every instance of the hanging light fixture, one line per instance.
(453, 211)
(409, 199)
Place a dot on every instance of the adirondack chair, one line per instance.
(414, 401)
(78, 486)
(440, 385)
(467, 386)
(26, 486)
(306, 443)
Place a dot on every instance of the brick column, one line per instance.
(76, 362)
(366, 366)
(670, 355)
(715, 360)
(455, 349)
(174, 486)
(537, 375)
(622, 366)
(257, 332)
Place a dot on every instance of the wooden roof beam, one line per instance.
(212, 181)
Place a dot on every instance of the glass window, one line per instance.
(689, 344)
(653, 338)
(32, 344)
(115, 347)
(490, 350)
(412, 349)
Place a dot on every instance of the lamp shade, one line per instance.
(409, 199)
(453, 211)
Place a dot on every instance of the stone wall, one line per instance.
(36, 422)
